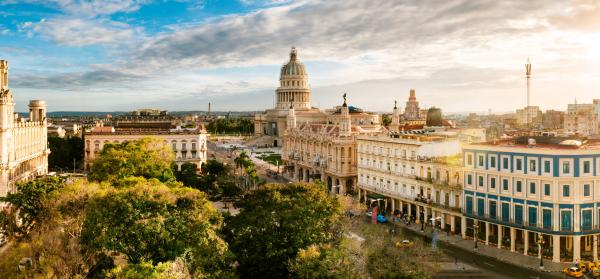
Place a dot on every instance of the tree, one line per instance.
(148, 158)
(329, 261)
(63, 151)
(27, 205)
(187, 175)
(386, 120)
(275, 222)
(156, 223)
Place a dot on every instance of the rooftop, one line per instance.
(545, 142)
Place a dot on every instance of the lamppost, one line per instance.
(475, 231)
(540, 242)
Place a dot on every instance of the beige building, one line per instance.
(419, 175)
(327, 151)
(23, 142)
(293, 88)
(581, 120)
(189, 145)
(529, 116)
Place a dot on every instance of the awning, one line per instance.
(375, 196)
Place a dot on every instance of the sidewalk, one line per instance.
(503, 255)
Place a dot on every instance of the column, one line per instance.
(418, 213)
(525, 242)
(499, 236)
(452, 223)
(556, 248)
(576, 248)
(393, 205)
(595, 247)
(513, 239)
(463, 227)
(409, 207)
(358, 193)
(443, 222)
(401, 206)
(487, 233)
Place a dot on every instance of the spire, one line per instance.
(291, 117)
(293, 54)
(395, 104)
(345, 121)
(344, 104)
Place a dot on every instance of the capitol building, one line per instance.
(23, 142)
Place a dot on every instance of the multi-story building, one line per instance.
(327, 151)
(530, 116)
(189, 144)
(544, 187)
(581, 119)
(553, 120)
(293, 88)
(420, 175)
(23, 142)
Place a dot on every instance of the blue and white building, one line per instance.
(520, 191)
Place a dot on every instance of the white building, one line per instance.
(189, 145)
(23, 143)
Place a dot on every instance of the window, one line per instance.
(469, 204)
(565, 220)
(519, 187)
(505, 212)
(532, 216)
(519, 166)
(493, 183)
(480, 181)
(586, 167)
(492, 162)
(532, 166)
(566, 191)
(586, 219)
(469, 159)
(532, 188)
(193, 146)
(586, 190)
(174, 146)
(547, 218)
(481, 207)
(518, 214)
(547, 166)
(505, 184)
(480, 160)
(492, 210)
(505, 163)
(469, 179)
(546, 189)
(566, 167)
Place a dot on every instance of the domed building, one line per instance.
(293, 90)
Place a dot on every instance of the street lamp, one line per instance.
(540, 242)
(475, 230)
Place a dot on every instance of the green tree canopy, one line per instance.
(156, 223)
(148, 158)
(63, 151)
(27, 205)
(277, 221)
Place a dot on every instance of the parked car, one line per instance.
(595, 272)
(573, 272)
(405, 244)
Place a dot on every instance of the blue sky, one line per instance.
(459, 55)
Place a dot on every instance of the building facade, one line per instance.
(23, 142)
(520, 191)
(327, 151)
(189, 144)
(581, 119)
(293, 88)
(419, 175)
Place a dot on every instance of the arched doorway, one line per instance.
(350, 187)
(329, 184)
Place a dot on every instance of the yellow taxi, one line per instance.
(592, 265)
(573, 271)
(584, 266)
(595, 272)
(405, 244)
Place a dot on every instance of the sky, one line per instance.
(459, 55)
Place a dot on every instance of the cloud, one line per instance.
(81, 32)
(461, 46)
